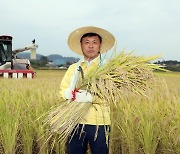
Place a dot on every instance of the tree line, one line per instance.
(172, 65)
(43, 61)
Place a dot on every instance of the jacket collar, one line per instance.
(96, 60)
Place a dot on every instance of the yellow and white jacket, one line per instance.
(97, 114)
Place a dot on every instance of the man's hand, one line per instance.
(83, 96)
(78, 95)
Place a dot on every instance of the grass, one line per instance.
(140, 124)
(149, 124)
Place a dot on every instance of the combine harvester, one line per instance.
(10, 65)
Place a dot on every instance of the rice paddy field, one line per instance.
(140, 124)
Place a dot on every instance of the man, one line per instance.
(89, 42)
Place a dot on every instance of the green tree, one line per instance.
(43, 60)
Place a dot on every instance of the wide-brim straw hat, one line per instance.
(108, 39)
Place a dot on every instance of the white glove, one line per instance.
(68, 94)
(83, 96)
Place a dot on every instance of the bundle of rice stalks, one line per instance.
(65, 118)
(121, 73)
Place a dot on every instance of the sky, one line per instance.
(147, 27)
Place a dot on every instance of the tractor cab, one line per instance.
(5, 49)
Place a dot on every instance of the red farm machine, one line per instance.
(10, 65)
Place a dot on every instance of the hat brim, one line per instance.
(108, 39)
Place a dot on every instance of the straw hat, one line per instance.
(108, 39)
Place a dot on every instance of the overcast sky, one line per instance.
(149, 27)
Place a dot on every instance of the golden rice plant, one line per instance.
(9, 123)
(148, 124)
(123, 72)
(22, 102)
(140, 125)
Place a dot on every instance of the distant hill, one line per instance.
(27, 55)
(55, 58)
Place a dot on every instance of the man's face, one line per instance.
(90, 47)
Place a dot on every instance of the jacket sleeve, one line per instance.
(65, 82)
